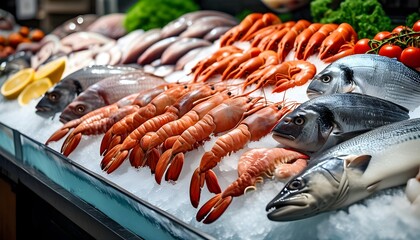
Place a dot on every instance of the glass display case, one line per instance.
(130, 216)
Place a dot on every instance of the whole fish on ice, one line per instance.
(66, 90)
(108, 91)
(382, 158)
(369, 74)
(325, 121)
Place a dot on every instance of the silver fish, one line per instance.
(325, 121)
(155, 51)
(139, 45)
(179, 48)
(66, 90)
(177, 26)
(202, 26)
(108, 91)
(382, 158)
(369, 74)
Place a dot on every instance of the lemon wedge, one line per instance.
(52, 70)
(17, 82)
(34, 90)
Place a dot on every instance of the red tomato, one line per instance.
(416, 26)
(362, 46)
(389, 50)
(399, 29)
(382, 35)
(411, 57)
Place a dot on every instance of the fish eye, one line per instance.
(326, 79)
(299, 121)
(53, 97)
(80, 109)
(296, 184)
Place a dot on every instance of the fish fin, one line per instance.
(360, 162)
(372, 187)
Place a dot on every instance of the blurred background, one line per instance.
(47, 14)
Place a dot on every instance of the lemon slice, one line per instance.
(17, 82)
(52, 70)
(34, 90)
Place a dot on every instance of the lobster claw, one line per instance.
(113, 159)
(213, 209)
(162, 165)
(70, 144)
(136, 157)
(174, 169)
(59, 134)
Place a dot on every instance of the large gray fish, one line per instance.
(325, 121)
(108, 91)
(382, 158)
(369, 74)
(66, 90)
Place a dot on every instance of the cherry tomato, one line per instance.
(416, 26)
(399, 29)
(382, 35)
(362, 46)
(411, 57)
(391, 51)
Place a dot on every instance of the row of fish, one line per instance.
(356, 128)
(88, 40)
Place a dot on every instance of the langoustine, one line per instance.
(118, 153)
(251, 128)
(252, 166)
(151, 143)
(220, 119)
(119, 131)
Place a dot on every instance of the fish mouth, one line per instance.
(293, 208)
(313, 93)
(64, 119)
(44, 111)
(281, 136)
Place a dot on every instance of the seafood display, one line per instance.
(350, 172)
(325, 121)
(208, 108)
(369, 74)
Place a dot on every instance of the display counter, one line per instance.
(100, 208)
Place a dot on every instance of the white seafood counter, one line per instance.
(133, 199)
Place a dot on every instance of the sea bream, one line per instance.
(325, 121)
(66, 90)
(109, 91)
(382, 158)
(369, 74)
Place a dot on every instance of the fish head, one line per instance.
(55, 101)
(77, 109)
(317, 189)
(307, 128)
(335, 78)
